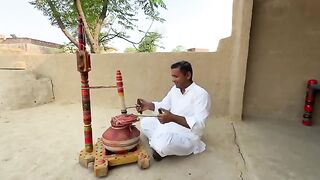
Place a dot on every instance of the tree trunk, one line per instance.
(93, 46)
(100, 21)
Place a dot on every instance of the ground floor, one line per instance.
(44, 143)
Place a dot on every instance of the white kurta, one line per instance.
(172, 138)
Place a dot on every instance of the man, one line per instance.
(183, 113)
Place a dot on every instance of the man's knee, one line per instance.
(172, 144)
(161, 143)
(148, 125)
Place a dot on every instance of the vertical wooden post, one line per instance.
(121, 92)
(83, 66)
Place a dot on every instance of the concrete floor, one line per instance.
(278, 149)
(43, 143)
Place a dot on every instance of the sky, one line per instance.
(189, 23)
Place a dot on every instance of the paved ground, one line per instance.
(275, 149)
(43, 143)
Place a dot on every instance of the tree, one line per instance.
(103, 20)
(179, 48)
(149, 43)
(130, 50)
(68, 48)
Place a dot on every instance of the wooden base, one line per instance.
(102, 159)
(85, 158)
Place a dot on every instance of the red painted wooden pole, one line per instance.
(83, 66)
(121, 92)
(309, 103)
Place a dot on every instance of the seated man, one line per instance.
(183, 113)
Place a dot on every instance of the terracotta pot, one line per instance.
(121, 137)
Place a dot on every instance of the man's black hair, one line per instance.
(184, 67)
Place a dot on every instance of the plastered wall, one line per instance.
(147, 75)
(284, 54)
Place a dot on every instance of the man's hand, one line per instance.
(165, 117)
(143, 105)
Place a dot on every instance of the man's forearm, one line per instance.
(180, 120)
(151, 106)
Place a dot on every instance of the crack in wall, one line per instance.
(239, 149)
(53, 96)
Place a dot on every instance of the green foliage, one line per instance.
(68, 48)
(179, 48)
(130, 50)
(120, 16)
(149, 43)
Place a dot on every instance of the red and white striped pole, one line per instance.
(309, 103)
(121, 92)
(83, 66)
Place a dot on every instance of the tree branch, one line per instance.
(109, 28)
(146, 32)
(100, 20)
(121, 37)
(87, 30)
(133, 43)
(104, 38)
(57, 15)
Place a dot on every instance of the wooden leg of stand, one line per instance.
(143, 160)
(85, 158)
(100, 168)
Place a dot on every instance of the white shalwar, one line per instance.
(172, 138)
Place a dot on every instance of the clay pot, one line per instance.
(121, 137)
